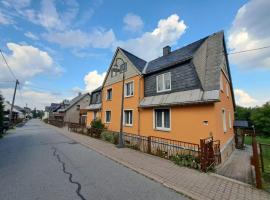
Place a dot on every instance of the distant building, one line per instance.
(69, 111)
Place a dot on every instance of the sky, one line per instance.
(57, 48)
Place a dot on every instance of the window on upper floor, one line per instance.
(221, 83)
(227, 89)
(224, 121)
(162, 119)
(128, 117)
(164, 82)
(109, 94)
(108, 116)
(129, 89)
(78, 107)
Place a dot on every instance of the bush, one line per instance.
(110, 137)
(97, 123)
(45, 120)
(187, 161)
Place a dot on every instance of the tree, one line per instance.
(242, 113)
(260, 117)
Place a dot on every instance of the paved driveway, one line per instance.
(36, 162)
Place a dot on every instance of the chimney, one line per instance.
(79, 94)
(166, 50)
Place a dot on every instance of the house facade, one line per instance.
(69, 111)
(94, 108)
(183, 95)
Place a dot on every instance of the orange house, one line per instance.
(185, 94)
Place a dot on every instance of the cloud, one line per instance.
(5, 19)
(38, 99)
(27, 61)
(99, 38)
(31, 35)
(133, 22)
(93, 80)
(244, 99)
(250, 29)
(150, 44)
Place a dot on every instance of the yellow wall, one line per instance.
(114, 105)
(227, 104)
(187, 122)
(90, 116)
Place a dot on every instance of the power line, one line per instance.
(244, 51)
(10, 70)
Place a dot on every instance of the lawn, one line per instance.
(266, 158)
(260, 139)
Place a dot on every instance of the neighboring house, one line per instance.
(46, 113)
(184, 95)
(71, 113)
(16, 111)
(52, 110)
(94, 108)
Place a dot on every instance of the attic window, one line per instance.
(164, 82)
(78, 107)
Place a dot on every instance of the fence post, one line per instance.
(261, 156)
(202, 159)
(149, 144)
(256, 162)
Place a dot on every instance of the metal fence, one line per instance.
(180, 151)
(58, 123)
(265, 164)
(161, 147)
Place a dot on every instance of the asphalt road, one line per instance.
(38, 163)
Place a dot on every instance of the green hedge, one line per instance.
(110, 136)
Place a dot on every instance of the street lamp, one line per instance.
(121, 66)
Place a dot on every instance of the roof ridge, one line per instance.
(131, 54)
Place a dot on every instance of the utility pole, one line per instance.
(13, 100)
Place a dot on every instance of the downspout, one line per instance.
(139, 113)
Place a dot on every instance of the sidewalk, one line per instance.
(187, 181)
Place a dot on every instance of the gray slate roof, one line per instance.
(96, 106)
(136, 61)
(97, 89)
(180, 98)
(240, 123)
(174, 57)
(73, 102)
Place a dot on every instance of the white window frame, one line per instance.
(221, 82)
(230, 119)
(108, 122)
(125, 89)
(107, 94)
(227, 89)
(224, 120)
(163, 128)
(163, 80)
(124, 117)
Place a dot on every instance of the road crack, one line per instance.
(79, 187)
